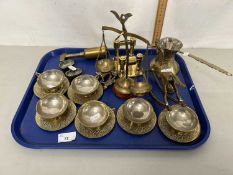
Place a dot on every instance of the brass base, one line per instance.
(39, 92)
(79, 99)
(57, 123)
(178, 136)
(137, 129)
(96, 132)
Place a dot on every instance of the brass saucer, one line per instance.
(137, 129)
(175, 135)
(39, 92)
(80, 99)
(60, 122)
(97, 132)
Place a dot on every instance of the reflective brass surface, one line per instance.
(140, 88)
(87, 53)
(81, 99)
(160, 67)
(50, 79)
(39, 92)
(170, 44)
(85, 84)
(93, 114)
(182, 118)
(59, 122)
(165, 61)
(175, 135)
(121, 87)
(137, 129)
(105, 65)
(133, 68)
(99, 131)
(52, 106)
(137, 110)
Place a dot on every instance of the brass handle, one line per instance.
(213, 66)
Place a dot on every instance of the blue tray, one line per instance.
(28, 134)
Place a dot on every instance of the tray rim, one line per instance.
(74, 146)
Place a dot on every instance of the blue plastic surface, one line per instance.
(28, 134)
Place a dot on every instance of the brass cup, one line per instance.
(137, 110)
(85, 88)
(52, 106)
(136, 116)
(85, 85)
(61, 121)
(94, 119)
(93, 114)
(51, 80)
(182, 118)
(179, 124)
